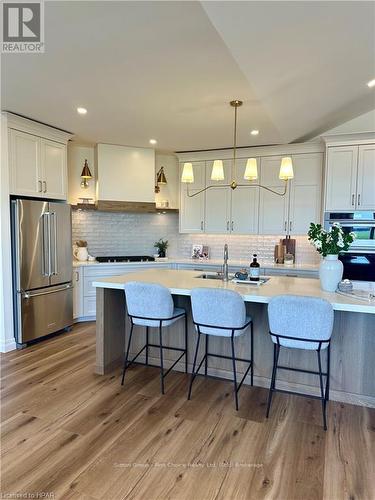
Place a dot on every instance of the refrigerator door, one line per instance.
(31, 246)
(44, 311)
(61, 243)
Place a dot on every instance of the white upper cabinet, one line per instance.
(350, 178)
(54, 169)
(37, 159)
(25, 166)
(341, 178)
(125, 173)
(250, 209)
(245, 210)
(366, 178)
(305, 192)
(37, 166)
(217, 213)
(273, 209)
(192, 209)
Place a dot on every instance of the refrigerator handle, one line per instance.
(46, 268)
(54, 238)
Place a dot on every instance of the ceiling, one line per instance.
(167, 70)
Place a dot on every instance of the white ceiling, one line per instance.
(167, 70)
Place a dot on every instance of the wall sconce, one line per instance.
(85, 176)
(160, 179)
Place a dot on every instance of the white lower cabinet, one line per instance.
(84, 295)
(77, 293)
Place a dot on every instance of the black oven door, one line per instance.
(358, 266)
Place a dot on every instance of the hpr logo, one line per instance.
(22, 27)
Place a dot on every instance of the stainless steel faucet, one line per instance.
(225, 266)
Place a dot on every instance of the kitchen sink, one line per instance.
(208, 276)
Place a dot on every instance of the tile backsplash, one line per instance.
(134, 234)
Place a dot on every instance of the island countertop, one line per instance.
(182, 282)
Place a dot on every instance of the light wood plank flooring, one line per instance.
(74, 435)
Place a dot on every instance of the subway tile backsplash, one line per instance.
(134, 234)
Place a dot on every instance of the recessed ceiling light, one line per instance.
(153, 141)
(82, 111)
(254, 132)
(371, 83)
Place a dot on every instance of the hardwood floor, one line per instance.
(74, 435)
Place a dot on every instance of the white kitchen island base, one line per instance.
(352, 349)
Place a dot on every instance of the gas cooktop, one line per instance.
(126, 258)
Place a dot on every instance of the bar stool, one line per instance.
(220, 313)
(152, 306)
(301, 323)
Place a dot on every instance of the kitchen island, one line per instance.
(353, 339)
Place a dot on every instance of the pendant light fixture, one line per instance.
(251, 171)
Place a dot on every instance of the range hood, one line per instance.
(125, 179)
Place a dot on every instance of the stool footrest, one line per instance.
(300, 370)
(284, 391)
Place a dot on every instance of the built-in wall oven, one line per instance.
(359, 260)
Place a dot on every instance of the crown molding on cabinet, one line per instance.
(35, 128)
(256, 151)
(346, 139)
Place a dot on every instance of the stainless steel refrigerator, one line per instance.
(42, 268)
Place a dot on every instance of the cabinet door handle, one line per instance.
(40, 186)
(45, 187)
(201, 225)
(290, 225)
(359, 199)
(227, 225)
(352, 200)
(77, 276)
(232, 226)
(285, 223)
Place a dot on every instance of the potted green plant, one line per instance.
(161, 247)
(329, 244)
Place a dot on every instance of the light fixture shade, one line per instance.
(161, 179)
(217, 173)
(286, 168)
(187, 173)
(251, 171)
(86, 174)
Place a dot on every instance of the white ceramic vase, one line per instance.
(330, 273)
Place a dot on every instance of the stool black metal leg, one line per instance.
(205, 360)
(234, 372)
(193, 374)
(252, 354)
(186, 344)
(328, 371)
(147, 345)
(276, 351)
(161, 359)
(127, 355)
(322, 391)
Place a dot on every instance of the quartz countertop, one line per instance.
(181, 282)
(208, 263)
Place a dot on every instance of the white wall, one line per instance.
(77, 155)
(7, 342)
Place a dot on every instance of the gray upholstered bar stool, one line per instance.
(220, 313)
(301, 323)
(152, 306)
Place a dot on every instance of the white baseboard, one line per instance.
(8, 346)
